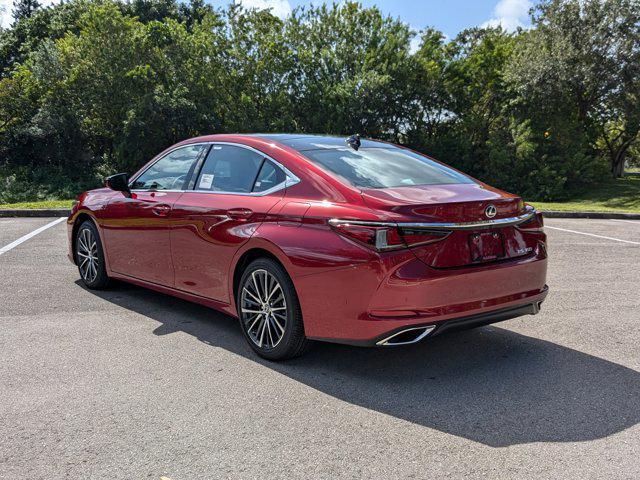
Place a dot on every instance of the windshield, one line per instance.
(384, 167)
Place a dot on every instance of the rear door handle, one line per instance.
(161, 210)
(239, 213)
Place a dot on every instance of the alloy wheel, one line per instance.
(87, 252)
(263, 309)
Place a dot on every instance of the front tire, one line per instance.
(90, 257)
(269, 311)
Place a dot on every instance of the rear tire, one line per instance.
(269, 311)
(89, 257)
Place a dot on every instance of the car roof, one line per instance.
(304, 141)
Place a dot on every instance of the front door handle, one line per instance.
(239, 213)
(161, 210)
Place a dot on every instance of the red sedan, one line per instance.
(308, 237)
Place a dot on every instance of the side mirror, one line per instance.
(118, 182)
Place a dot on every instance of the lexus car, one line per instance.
(307, 237)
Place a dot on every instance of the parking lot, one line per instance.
(131, 384)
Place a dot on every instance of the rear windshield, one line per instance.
(384, 167)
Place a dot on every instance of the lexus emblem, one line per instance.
(490, 211)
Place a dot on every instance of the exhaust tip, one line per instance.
(535, 308)
(407, 336)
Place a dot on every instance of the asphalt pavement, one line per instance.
(131, 384)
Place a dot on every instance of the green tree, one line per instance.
(349, 72)
(27, 34)
(140, 87)
(194, 12)
(429, 101)
(24, 8)
(258, 63)
(479, 95)
(149, 10)
(579, 66)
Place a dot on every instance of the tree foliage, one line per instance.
(578, 75)
(89, 87)
(24, 8)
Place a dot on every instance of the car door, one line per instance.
(137, 226)
(234, 190)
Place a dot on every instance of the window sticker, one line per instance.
(206, 181)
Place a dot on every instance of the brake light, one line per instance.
(377, 237)
(383, 236)
(534, 224)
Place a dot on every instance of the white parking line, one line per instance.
(592, 235)
(17, 242)
(637, 222)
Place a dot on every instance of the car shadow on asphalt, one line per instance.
(489, 385)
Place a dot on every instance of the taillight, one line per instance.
(418, 236)
(534, 224)
(379, 237)
(384, 236)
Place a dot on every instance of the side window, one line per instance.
(229, 168)
(171, 171)
(269, 176)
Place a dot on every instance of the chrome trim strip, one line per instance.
(500, 222)
(427, 330)
(343, 221)
(290, 178)
(140, 190)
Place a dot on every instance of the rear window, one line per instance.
(384, 167)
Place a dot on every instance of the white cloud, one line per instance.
(6, 7)
(280, 8)
(510, 14)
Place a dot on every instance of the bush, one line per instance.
(25, 184)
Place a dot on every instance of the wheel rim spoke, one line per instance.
(268, 322)
(274, 290)
(87, 249)
(263, 309)
(83, 269)
(255, 299)
(264, 325)
(82, 244)
(266, 288)
(255, 285)
(255, 320)
(275, 321)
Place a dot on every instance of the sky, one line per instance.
(448, 16)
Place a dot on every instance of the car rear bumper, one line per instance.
(365, 304)
(414, 334)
